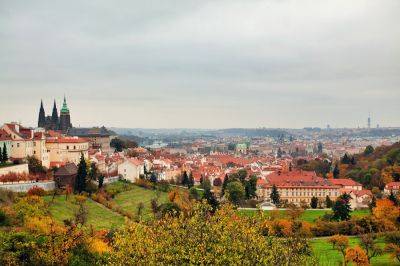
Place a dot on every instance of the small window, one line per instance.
(74, 147)
(67, 147)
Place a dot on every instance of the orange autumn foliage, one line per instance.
(357, 256)
(386, 210)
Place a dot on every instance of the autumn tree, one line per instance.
(368, 242)
(275, 197)
(386, 212)
(341, 208)
(357, 256)
(393, 245)
(202, 238)
(340, 243)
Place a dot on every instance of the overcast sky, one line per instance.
(202, 64)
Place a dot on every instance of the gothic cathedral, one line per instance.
(55, 122)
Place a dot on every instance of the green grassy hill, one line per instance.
(98, 216)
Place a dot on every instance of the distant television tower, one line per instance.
(369, 121)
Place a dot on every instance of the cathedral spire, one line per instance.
(54, 116)
(64, 108)
(42, 116)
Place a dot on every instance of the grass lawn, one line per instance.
(99, 216)
(129, 200)
(326, 255)
(308, 215)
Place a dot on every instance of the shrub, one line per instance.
(163, 185)
(217, 182)
(3, 218)
(144, 183)
(37, 191)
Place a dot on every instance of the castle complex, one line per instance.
(55, 122)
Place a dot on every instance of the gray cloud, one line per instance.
(202, 63)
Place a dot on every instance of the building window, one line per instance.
(74, 147)
(17, 145)
(67, 147)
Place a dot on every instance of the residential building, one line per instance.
(131, 169)
(26, 142)
(63, 150)
(392, 187)
(297, 187)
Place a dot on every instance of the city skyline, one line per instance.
(203, 64)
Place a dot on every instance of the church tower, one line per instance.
(65, 118)
(42, 116)
(54, 117)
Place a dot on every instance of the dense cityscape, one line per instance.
(310, 182)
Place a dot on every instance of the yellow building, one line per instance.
(297, 187)
(66, 149)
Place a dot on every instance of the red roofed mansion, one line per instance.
(297, 187)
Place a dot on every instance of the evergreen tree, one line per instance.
(153, 178)
(93, 173)
(372, 204)
(279, 153)
(224, 184)
(80, 181)
(392, 197)
(275, 197)
(1, 156)
(314, 202)
(320, 148)
(185, 179)
(328, 202)
(101, 180)
(191, 181)
(336, 171)
(235, 192)
(341, 208)
(209, 196)
(251, 187)
(368, 150)
(5, 155)
(345, 159)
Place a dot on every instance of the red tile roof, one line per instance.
(296, 178)
(393, 185)
(344, 182)
(66, 140)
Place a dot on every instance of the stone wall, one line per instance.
(25, 186)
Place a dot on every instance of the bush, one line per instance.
(36, 191)
(170, 209)
(217, 182)
(3, 218)
(163, 185)
(144, 183)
